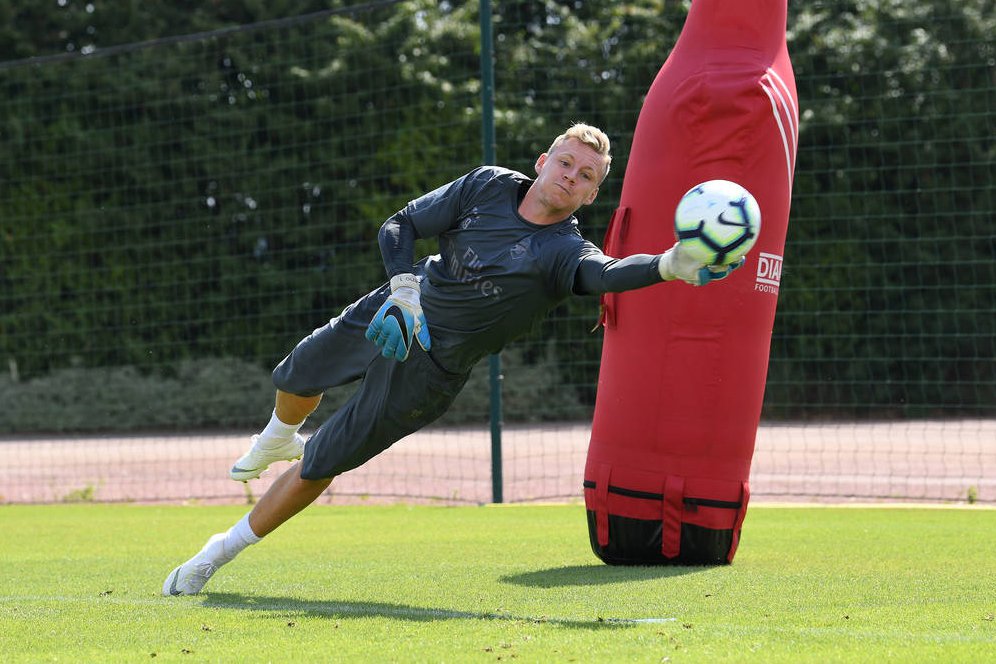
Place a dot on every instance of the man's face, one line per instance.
(569, 175)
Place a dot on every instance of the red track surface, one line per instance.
(916, 461)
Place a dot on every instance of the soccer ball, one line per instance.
(717, 222)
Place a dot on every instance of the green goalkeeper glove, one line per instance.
(675, 264)
(400, 320)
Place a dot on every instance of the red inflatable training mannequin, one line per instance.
(683, 368)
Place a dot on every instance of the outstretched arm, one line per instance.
(598, 273)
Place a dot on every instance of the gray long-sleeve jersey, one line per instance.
(497, 274)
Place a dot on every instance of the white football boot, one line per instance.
(190, 577)
(253, 463)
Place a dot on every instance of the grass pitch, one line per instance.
(486, 584)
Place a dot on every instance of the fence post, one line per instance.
(488, 139)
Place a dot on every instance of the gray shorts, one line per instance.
(393, 399)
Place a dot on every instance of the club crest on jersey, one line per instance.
(472, 218)
(520, 248)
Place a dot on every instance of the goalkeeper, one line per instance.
(509, 251)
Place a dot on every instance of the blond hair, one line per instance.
(591, 136)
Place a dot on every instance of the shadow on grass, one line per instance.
(594, 575)
(334, 609)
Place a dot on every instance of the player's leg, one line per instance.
(393, 400)
(334, 354)
(287, 496)
(279, 440)
(294, 409)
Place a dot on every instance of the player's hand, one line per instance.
(400, 320)
(675, 264)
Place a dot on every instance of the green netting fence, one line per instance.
(182, 200)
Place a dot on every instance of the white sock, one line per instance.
(276, 432)
(237, 538)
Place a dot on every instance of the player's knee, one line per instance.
(281, 378)
(288, 386)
